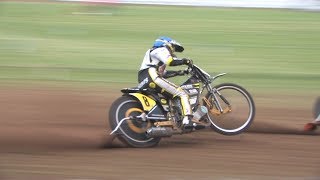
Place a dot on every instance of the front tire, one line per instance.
(131, 132)
(238, 117)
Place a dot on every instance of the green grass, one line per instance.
(263, 49)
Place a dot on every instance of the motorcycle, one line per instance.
(141, 117)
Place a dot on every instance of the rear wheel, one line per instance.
(131, 132)
(235, 118)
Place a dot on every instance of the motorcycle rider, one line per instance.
(152, 74)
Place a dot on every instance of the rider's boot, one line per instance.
(187, 124)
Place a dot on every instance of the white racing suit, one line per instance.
(151, 76)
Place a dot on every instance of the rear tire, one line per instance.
(131, 132)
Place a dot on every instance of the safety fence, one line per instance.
(286, 4)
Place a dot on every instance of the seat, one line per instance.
(130, 90)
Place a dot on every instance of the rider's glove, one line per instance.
(187, 61)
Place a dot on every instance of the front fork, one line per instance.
(219, 110)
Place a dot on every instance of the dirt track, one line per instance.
(60, 134)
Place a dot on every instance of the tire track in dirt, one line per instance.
(272, 128)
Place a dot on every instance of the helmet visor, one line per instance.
(177, 46)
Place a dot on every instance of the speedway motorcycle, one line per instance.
(141, 117)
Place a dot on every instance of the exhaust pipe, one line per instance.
(160, 132)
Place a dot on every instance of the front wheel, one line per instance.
(131, 132)
(237, 116)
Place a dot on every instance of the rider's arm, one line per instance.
(169, 74)
(163, 55)
(177, 62)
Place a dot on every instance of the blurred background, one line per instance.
(104, 42)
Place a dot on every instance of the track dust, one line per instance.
(60, 133)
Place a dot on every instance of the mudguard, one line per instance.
(146, 102)
(154, 110)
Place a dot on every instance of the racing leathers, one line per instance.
(152, 74)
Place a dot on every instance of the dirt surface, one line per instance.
(61, 133)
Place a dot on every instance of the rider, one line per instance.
(152, 74)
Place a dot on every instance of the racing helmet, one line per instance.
(171, 44)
